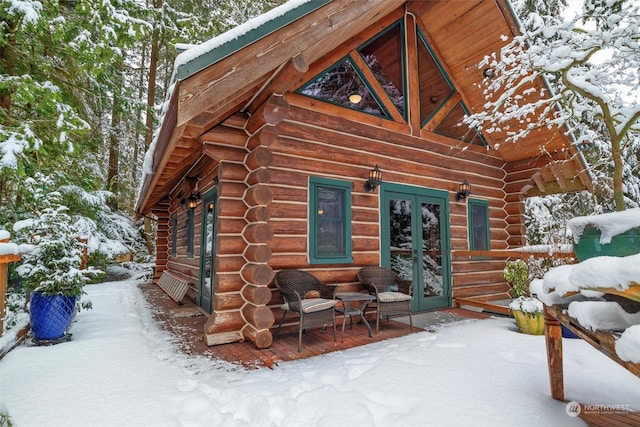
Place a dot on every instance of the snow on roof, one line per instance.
(197, 57)
(610, 224)
(244, 34)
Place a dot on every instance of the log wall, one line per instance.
(318, 139)
(263, 165)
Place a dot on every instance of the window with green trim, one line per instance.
(339, 84)
(329, 221)
(174, 236)
(478, 225)
(384, 55)
(190, 231)
(435, 86)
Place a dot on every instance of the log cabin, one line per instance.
(325, 136)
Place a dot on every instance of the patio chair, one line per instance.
(393, 294)
(314, 308)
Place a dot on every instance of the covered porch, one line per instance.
(185, 322)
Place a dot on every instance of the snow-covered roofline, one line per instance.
(201, 56)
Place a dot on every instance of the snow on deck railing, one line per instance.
(535, 251)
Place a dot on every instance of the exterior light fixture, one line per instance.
(375, 179)
(355, 98)
(488, 73)
(464, 190)
(192, 201)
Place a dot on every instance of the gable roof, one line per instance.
(235, 71)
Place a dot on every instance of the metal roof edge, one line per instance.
(228, 48)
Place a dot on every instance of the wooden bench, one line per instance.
(173, 286)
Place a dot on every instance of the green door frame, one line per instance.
(207, 270)
(418, 195)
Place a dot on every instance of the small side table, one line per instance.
(346, 310)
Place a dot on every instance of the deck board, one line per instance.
(189, 335)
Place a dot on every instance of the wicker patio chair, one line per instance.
(393, 294)
(295, 286)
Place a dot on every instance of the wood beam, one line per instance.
(312, 35)
(280, 82)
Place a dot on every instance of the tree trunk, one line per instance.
(114, 146)
(618, 193)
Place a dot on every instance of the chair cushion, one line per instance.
(393, 297)
(313, 304)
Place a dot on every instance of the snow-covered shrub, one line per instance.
(52, 261)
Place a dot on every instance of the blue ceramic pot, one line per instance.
(567, 333)
(51, 315)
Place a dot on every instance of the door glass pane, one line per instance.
(208, 259)
(431, 250)
(401, 242)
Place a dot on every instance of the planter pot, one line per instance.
(529, 324)
(566, 333)
(51, 315)
(624, 244)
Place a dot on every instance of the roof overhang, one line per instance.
(235, 72)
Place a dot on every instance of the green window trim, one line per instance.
(327, 193)
(479, 231)
(174, 236)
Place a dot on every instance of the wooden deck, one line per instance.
(187, 325)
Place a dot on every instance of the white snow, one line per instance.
(610, 224)
(239, 31)
(120, 369)
(574, 284)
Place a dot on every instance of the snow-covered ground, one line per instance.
(119, 369)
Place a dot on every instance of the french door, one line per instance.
(415, 242)
(207, 252)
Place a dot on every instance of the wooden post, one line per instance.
(553, 338)
(4, 268)
(5, 259)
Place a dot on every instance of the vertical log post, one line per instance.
(5, 258)
(553, 338)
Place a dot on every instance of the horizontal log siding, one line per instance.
(318, 139)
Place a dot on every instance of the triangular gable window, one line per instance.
(435, 87)
(453, 127)
(384, 56)
(343, 85)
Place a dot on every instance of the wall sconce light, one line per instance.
(375, 179)
(355, 98)
(488, 73)
(192, 201)
(464, 190)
